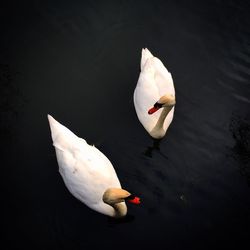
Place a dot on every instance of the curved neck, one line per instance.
(164, 113)
(158, 132)
(120, 209)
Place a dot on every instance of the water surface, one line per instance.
(79, 61)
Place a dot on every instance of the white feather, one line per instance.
(154, 81)
(86, 171)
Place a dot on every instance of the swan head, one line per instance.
(113, 196)
(167, 100)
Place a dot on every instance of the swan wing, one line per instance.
(165, 85)
(163, 78)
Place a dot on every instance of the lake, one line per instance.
(80, 61)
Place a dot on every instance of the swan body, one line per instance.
(87, 173)
(155, 86)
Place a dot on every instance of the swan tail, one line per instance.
(62, 137)
(148, 68)
(145, 55)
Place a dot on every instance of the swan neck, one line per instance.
(162, 117)
(120, 209)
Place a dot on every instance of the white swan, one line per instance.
(154, 90)
(88, 174)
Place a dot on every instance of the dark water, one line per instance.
(79, 61)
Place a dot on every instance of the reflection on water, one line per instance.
(127, 219)
(155, 146)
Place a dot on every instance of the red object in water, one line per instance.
(152, 110)
(136, 200)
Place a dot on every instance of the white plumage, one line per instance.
(154, 82)
(86, 171)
